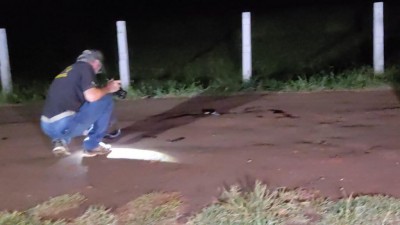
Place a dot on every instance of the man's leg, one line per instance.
(114, 129)
(97, 114)
(56, 132)
(91, 113)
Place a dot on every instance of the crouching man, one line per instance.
(75, 106)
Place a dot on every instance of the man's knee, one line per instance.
(107, 99)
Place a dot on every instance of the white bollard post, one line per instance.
(246, 46)
(378, 32)
(123, 54)
(5, 72)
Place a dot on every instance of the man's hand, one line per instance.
(113, 86)
(94, 94)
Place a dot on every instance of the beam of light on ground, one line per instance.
(71, 166)
(140, 154)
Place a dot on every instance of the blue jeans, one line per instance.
(92, 115)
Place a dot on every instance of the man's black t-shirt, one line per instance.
(66, 90)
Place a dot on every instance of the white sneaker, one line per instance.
(102, 149)
(60, 149)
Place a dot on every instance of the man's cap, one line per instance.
(90, 55)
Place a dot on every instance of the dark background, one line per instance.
(45, 36)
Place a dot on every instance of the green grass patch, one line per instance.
(377, 209)
(237, 205)
(23, 93)
(19, 218)
(151, 209)
(158, 89)
(56, 205)
(300, 207)
(351, 79)
(359, 78)
(261, 206)
(96, 215)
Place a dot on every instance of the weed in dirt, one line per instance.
(57, 205)
(159, 89)
(151, 209)
(33, 92)
(300, 207)
(358, 78)
(261, 206)
(235, 206)
(360, 210)
(19, 218)
(96, 215)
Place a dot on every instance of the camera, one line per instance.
(121, 93)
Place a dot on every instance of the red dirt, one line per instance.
(335, 142)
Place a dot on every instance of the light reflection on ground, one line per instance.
(70, 166)
(73, 166)
(140, 154)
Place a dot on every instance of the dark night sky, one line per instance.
(72, 10)
(27, 19)
(41, 28)
(63, 15)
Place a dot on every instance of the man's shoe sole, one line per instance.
(59, 152)
(93, 154)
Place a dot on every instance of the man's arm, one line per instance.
(93, 94)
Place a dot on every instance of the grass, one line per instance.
(237, 205)
(159, 89)
(358, 78)
(376, 209)
(19, 218)
(23, 93)
(56, 205)
(152, 209)
(281, 207)
(98, 215)
(260, 206)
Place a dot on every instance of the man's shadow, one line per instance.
(182, 114)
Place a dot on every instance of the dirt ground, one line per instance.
(335, 142)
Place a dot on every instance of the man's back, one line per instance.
(66, 91)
